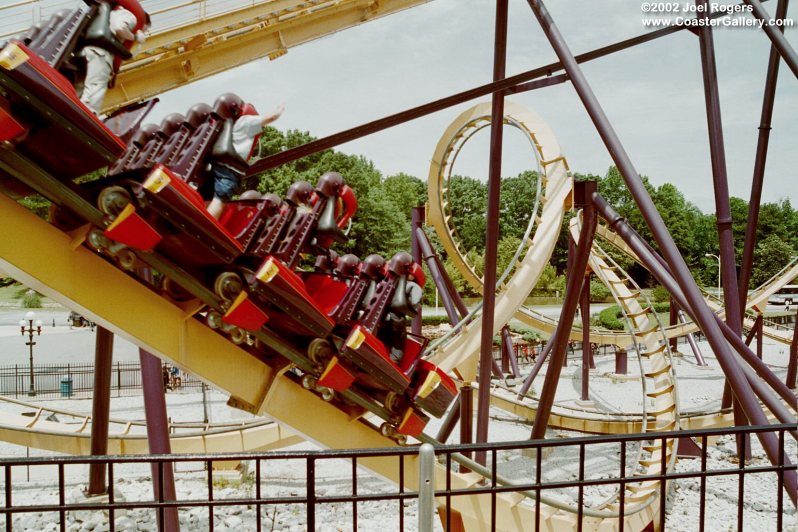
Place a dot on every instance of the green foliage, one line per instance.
(610, 318)
(527, 334)
(549, 283)
(37, 204)
(29, 298)
(598, 292)
(770, 256)
(660, 294)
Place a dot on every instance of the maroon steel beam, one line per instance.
(416, 223)
(584, 305)
(776, 37)
(492, 230)
(449, 422)
(544, 354)
(699, 358)
(792, 366)
(466, 416)
(537, 84)
(505, 350)
(704, 316)
(727, 263)
(620, 361)
(760, 161)
(163, 480)
(461, 97)
(673, 319)
(100, 407)
(508, 344)
(583, 192)
(438, 276)
(661, 271)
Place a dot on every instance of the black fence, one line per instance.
(313, 504)
(77, 380)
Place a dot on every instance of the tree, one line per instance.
(770, 256)
(405, 191)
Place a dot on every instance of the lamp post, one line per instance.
(718, 258)
(29, 330)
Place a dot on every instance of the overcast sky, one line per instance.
(653, 94)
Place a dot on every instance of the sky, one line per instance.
(653, 94)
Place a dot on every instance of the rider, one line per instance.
(128, 22)
(228, 170)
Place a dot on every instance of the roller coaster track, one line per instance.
(195, 39)
(658, 376)
(556, 196)
(81, 279)
(47, 428)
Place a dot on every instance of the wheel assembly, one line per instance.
(112, 200)
(227, 286)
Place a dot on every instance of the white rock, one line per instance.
(233, 522)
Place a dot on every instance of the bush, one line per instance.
(609, 318)
(612, 317)
(527, 334)
(660, 294)
(31, 299)
(434, 320)
(598, 291)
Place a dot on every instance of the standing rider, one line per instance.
(128, 21)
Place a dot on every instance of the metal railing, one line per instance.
(309, 498)
(68, 380)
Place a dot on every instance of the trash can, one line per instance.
(66, 386)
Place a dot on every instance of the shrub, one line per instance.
(31, 299)
(659, 294)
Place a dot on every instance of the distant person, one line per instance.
(128, 22)
(175, 380)
(234, 149)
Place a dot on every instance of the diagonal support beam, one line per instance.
(704, 316)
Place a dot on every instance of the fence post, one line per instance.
(426, 487)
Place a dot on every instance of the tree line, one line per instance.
(382, 224)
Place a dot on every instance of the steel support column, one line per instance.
(507, 342)
(416, 223)
(776, 37)
(662, 272)
(452, 416)
(583, 192)
(544, 354)
(438, 275)
(163, 480)
(704, 316)
(100, 407)
(760, 161)
(792, 365)
(699, 358)
(727, 262)
(673, 319)
(584, 305)
(466, 416)
(492, 231)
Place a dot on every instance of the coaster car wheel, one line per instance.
(227, 286)
(126, 259)
(214, 319)
(174, 291)
(97, 239)
(320, 351)
(395, 403)
(309, 382)
(112, 200)
(389, 431)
